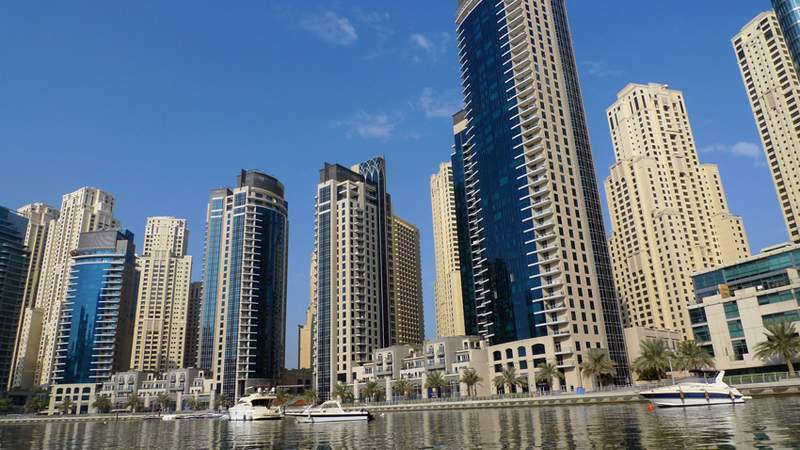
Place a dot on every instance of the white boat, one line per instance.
(330, 411)
(256, 406)
(695, 392)
(169, 417)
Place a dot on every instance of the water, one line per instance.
(761, 423)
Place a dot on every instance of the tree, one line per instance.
(163, 402)
(6, 405)
(102, 404)
(224, 402)
(782, 342)
(193, 403)
(66, 406)
(471, 378)
(508, 378)
(343, 392)
(435, 381)
(547, 373)
(598, 365)
(311, 396)
(134, 403)
(653, 362)
(35, 404)
(691, 356)
(402, 388)
(371, 389)
(282, 396)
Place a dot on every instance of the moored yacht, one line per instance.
(695, 392)
(330, 411)
(256, 406)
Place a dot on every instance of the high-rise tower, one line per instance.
(447, 290)
(788, 14)
(13, 271)
(773, 87)
(162, 307)
(242, 323)
(405, 273)
(669, 212)
(539, 264)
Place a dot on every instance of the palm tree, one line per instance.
(66, 406)
(402, 387)
(6, 405)
(371, 389)
(102, 404)
(471, 378)
(311, 396)
(653, 362)
(224, 402)
(282, 396)
(598, 365)
(193, 403)
(436, 382)
(782, 342)
(35, 404)
(343, 392)
(508, 378)
(134, 403)
(163, 402)
(547, 372)
(691, 356)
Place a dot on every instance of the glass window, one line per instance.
(521, 352)
(739, 349)
(735, 329)
(701, 333)
(788, 316)
(509, 353)
(775, 298)
(698, 315)
(497, 355)
(731, 310)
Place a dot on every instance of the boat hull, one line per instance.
(668, 400)
(325, 418)
(242, 414)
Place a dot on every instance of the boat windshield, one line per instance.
(329, 405)
(701, 380)
(265, 402)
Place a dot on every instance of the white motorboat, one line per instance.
(256, 406)
(695, 392)
(330, 411)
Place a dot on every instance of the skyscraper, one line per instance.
(87, 209)
(13, 271)
(447, 290)
(788, 13)
(773, 87)
(539, 265)
(95, 328)
(669, 212)
(405, 274)
(40, 217)
(242, 323)
(351, 261)
(162, 306)
(193, 323)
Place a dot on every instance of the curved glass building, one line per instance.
(788, 12)
(539, 268)
(243, 316)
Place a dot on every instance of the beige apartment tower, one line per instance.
(40, 219)
(773, 87)
(87, 209)
(162, 307)
(447, 288)
(406, 280)
(669, 213)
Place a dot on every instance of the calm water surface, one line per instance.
(761, 423)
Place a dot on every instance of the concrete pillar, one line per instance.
(212, 399)
(388, 389)
(179, 402)
(423, 389)
(355, 390)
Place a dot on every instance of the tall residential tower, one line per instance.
(669, 213)
(406, 279)
(773, 87)
(537, 254)
(162, 307)
(13, 272)
(243, 318)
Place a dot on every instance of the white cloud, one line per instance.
(433, 46)
(600, 69)
(421, 41)
(369, 126)
(439, 105)
(740, 149)
(331, 28)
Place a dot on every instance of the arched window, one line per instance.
(537, 349)
(497, 355)
(521, 351)
(509, 353)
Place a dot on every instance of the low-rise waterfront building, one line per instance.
(178, 385)
(635, 336)
(736, 302)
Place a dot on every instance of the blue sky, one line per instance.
(159, 102)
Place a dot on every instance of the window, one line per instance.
(509, 353)
(739, 349)
(497, 356)
(702, 334)
(788, 316)
(731, 310)
(537, 349)
(698, 315)
(735, 329)
(523, 365)
(521, 352)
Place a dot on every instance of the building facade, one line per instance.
(773, 87)
(636, 335)
(524, 178)
(788, 13)
(669, 213)
(406, 281)
(85, 210)
(162, 306)
(14, 265)
(449, 302)
(193, 323)
(304, 340)
(96, 326)
(736, 302)
(242, 323)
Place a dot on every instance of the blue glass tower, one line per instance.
(788, 12)
(13, 271)
(535, 264)
(243, 315)
(95, 330)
